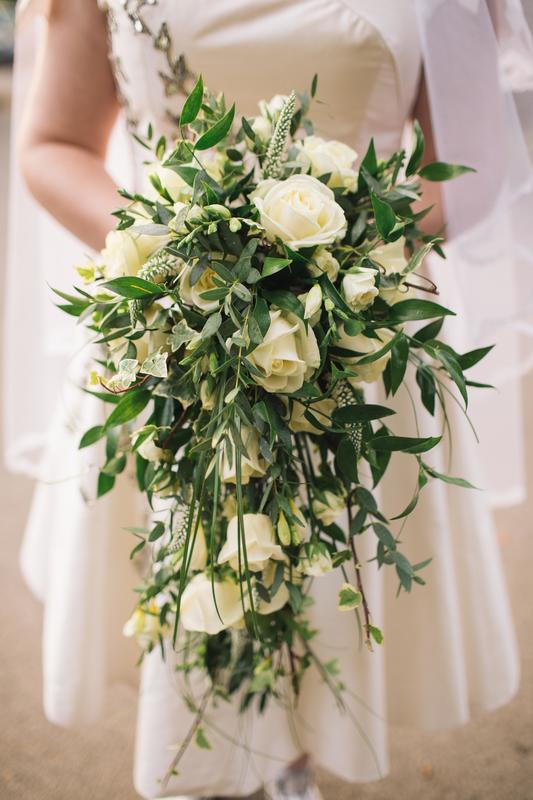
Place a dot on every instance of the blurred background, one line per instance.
(489, 759)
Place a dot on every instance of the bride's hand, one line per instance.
(71, 111)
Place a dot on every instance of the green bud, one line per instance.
(217, 211)
(329, 305)
(235, 225)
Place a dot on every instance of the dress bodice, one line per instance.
(366, 54)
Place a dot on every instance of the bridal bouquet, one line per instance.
(239, 310)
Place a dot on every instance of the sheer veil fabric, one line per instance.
(475, 57)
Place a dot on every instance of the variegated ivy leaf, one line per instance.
(349, 597)
(181, 334)
(125, 375)
(156, 365)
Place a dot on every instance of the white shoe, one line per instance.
(294, 784)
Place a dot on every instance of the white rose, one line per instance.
(322, 410)
(318, 563)
(359, 288)
(323, 157)
(252, 465)
(271, 108)
(324, 262)
(367, 373)
(260, 539)
(191, 294)
(126, 251)
(144, 626)
(198, 611)
(300, 211)
(328, 510)
(287, 356)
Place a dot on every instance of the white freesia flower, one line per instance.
(300, 211)
(198, 611)
(330, 508)
(323, 157)
(363, 345)
(272, 108)
(324, 262)
(260, 539)
(252, 465)
(144, 626)
(288, 354)
(313, 302)
(359, 288)
(191, 295)
(322, 410)
(318, 563)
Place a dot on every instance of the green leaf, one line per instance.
(91, 436)
(212, 325)
(259, 321)
(369, 163)
(468, 360)
(105, 484)
(398, 362)
(215, 134)
(193, 103)
(452, 367)
(201, 740)
(384, 535)
(314, 84)
(384, 216)
(412, 309)
(349, 597)
(129, 407)
(361, 412)
(272, 265)
(346, 460)
(430, 331)
(376, 634)
(418, 150)
(404, 444)
(285, 300)
(133, 288)
(449, 479)
(428, 388)
(381, 352)
(440, 171)
(157, 531)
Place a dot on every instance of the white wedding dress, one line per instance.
(449, 647)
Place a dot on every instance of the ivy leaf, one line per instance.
(193, 103)
(181, 334)
(156, 365)
(376, 634)
(215, 134)
(441, 171)
(349, 597)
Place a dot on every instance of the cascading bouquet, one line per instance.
(238, 311)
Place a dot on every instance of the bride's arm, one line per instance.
(70, 115)
(431, 191)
